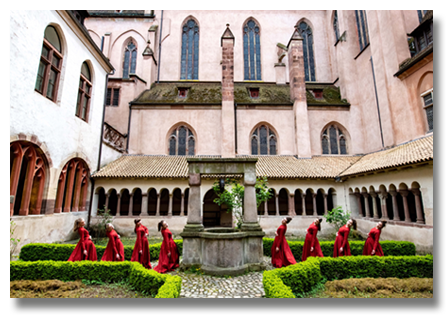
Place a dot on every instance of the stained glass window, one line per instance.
(130, 59)
(180, 143)
(308, 53)
(263, 141)
(190, 50)
(333, 141)
(252, 59)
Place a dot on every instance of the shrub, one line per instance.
(274, 286)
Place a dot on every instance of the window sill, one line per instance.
(362, 50)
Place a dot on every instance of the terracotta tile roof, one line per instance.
(419, 150)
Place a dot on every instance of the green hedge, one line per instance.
(390, 248)
(61, 252)
(302, 277)
(142, 279)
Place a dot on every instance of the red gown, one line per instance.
(284, 256)
(167, 264)
(311, 241)
(114, 246)
(372, 243)
(84, 244)
(342, 241)
(141, 244)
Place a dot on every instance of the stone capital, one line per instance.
(404, 193)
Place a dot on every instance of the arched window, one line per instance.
(263, 141)
(84, 93)
(181, 141)
(334, 141)
(308, 53)
(72, 187)
(336, 25)
(50, 65)
(363, 33)
(27, 178)
(130, 59)
(190, 50)
(252, 61)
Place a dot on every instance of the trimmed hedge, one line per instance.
(142, 279)
(302, 277)
(61, 252)
(390, 248)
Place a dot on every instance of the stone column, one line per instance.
(106, 204)
(395, 205)
(94, 209)
(131, 204)
(325, 204)
(277, 212)
(194, 221)
(404, 194)
(291, 206)
(144, 209)
(170, 205)
(182, 210)
(250, 216)
(375, 207)
(314, 205)
(77, 188)
(366, 204)
(383, 199)
(418, 205)
(159, 196)
(266, 212)
(358, 197)
(303, 204)
(118, 205)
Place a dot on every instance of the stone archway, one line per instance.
(211, 212)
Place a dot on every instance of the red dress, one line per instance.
(141, 244)
(167, 264)
(114, 246)
(284, 256)
(311, 241)
(372, 243)
(342, 241)
(84, 244)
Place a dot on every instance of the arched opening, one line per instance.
(177, 200)
(320, 207)
(283, 202)
(137, 202)
(309, 208)
(298, 202)
(113, 200)
(272, 207)
(260, 209)
(378, 206)
(101, 199)
(164, 202)
(152, 202)
(331, 199)
(211, 212)
(124, 202)
(186, 194)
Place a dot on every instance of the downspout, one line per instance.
(160, 46)
(236, 128)
(377, 104)
(100, 149)
(129, 127)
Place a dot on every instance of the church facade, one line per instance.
(336, 106)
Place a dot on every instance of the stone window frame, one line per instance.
(174, 135)
(363, 31)
(189, 69)
(426, 107)
(84, 94)
(271, 135)
(48, 63)
(308, 49)
(130, 57)
(113, 96)
(340, 134)
(252, 72)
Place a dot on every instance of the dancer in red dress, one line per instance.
(341, 245)
(115, 249)
(141, 247)
(85, 249)
(372, 245)
(169, 255)
(311, 247)
(280, 251)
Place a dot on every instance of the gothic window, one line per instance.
(361, 23)
(334, 141)
(190, 50)
(130, 59)
(308, 53)
(50, 65)
(428, 106)
(72, 187)
(336, 25)
(252, 61)
(181, 142)
(84, 93)
(263, 141)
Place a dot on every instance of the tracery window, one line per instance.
(363, 33)
(336, 25)
(84, 93)
(263, 141)
(190, 50)
(181, 141)
(428, 107)
(334, 141)
(130, 59)
(50, 65)
(308, 53)
(252, 60)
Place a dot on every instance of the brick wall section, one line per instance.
(296, 69)
(227, 70)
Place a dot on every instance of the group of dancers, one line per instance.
(168, 258)
(282, 255)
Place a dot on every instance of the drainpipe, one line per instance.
(100, 149)
(160, 46)
(377, 104)
(129, 127)
(236, 134)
